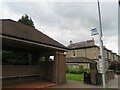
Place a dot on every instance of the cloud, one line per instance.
(65, 21)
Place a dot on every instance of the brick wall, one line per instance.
(22, 70)
(22, 73)
(49, 70)
(59, 72)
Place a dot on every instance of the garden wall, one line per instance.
(110, 75)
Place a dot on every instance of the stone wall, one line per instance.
(110, 75)
(85, 52)
(93, 72)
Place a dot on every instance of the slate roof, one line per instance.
(18, 30)
(83, 44)
(78, 60)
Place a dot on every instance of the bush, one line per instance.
(75, 70)
(117, 72)
(67, 69)
(81, 70)
(118, 66)
(115, 65)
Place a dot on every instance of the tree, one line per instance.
(25, 19)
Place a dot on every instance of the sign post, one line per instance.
(102, 69)
(101, 57)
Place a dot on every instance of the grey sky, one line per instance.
(65, 21)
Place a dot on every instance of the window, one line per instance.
(107, 55)
(113, 56)
(73, 53)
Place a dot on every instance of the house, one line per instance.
(118, 58)
(82, 50)
(88, 49)
(38, 47)
(114, 57)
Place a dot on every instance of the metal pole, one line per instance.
(101, 48)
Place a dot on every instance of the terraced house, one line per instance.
(82, 53)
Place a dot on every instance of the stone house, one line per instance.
(114, 57)
(89, 50)
(118, 58)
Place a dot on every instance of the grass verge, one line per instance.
(77, 77)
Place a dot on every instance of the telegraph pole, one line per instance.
(101, 57)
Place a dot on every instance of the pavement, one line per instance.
(113, 83)
(75, 84)
(28, 85)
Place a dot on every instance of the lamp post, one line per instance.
(101, 57)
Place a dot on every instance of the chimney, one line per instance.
(70, 42)
(90, 42)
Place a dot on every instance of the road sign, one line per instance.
(94, 32)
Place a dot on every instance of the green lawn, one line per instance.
(78, 77)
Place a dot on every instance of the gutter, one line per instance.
(30, 42)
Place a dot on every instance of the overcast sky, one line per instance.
(65, 21)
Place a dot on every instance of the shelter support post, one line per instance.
(59, 73)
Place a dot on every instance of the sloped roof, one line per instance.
(83, 44)
(18, 30)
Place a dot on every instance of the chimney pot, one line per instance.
(70, 42)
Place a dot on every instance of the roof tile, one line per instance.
(19, 30)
